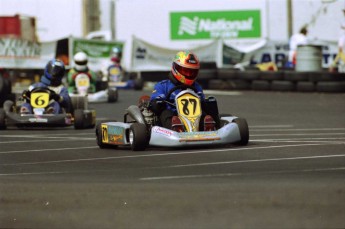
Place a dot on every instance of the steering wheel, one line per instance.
(182, 87)
(27, 94)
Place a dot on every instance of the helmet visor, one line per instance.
(188, 73)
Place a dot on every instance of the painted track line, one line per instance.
(152, 155)
(309, 129)
(256, 160)
(43, 150)
(241, 174)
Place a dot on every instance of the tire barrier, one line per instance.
(5, 90)
(288, 80)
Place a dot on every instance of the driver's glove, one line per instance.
(57, 98)
(157, 106)
(26, 94)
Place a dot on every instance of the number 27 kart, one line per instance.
(40, 98)
(141, 127)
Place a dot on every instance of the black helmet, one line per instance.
(53, 73)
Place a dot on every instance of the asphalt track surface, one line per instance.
(290, 175)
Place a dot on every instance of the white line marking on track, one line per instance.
(40, 150)
(308, 134)
(272, 126)
(256, 160)
(151, 155)
(310, 129)
(55, 140)
(241, 174)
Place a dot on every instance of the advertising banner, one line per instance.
(277, 52)
(148, 57)
(215, 24)
(23, 54)
(98, 51)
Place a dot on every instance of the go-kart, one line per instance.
(131, 81)
(76, 114)
(104, 91)
(141, 127)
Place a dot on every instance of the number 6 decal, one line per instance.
(39, 99)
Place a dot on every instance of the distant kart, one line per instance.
(131, 82)
(141, 127)
(104, 93)
(76, 115)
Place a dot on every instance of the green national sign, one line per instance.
(215, 24)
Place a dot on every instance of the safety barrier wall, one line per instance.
(252, 79)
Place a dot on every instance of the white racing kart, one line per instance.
(107, 94)
(141, 128)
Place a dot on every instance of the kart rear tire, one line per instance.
(78, 102)
(2, 119)
(244, 131)
(2, 83)
(138, 136)
(138, 84)
(79, 119)
(112, 95)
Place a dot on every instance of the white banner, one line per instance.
(148, 57)
(23, 54)
(277, 52)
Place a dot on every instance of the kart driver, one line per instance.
(52, 79)
(115, 71)
(184, 71)
(80, 60)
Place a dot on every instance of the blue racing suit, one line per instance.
(166, 111)
(162, 89)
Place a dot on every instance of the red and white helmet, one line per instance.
(185, 67)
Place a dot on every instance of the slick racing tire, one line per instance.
(244, 131)
(112, 95)
(138, 84)
(78, 102)
(138, 136)
(2, 119)
(79, 119)
(2, 85)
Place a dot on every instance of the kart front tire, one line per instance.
(138, 136)
(244, 131)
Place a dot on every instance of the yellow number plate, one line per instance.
(39, 99)
(114, 71)
(82, 80)
(188, 106)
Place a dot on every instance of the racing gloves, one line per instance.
(157, 106)
(57, 98)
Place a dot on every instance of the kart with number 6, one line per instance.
(76, 114)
